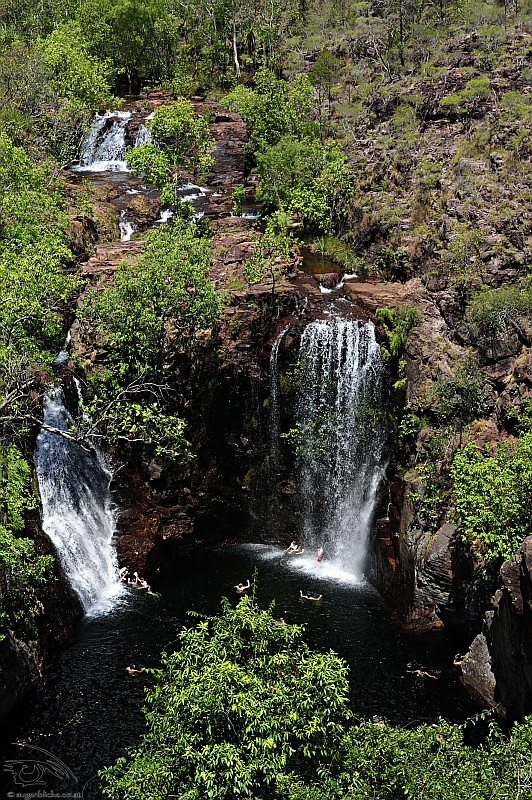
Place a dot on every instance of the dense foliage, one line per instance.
(403, 128)
(492, 490)
(154, 310)
(244, 709)
(181, 140)
(33, 287)
(298, 173)
(242, 705)
(21, 569)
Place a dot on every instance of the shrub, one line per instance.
(495, 310)
(242, 705)
(492, 495)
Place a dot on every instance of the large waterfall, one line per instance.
(104, 147)
(78, 514)
(340, 439)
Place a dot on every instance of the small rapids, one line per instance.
(104, 147)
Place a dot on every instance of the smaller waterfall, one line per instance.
(104, 147)
(166, 214)
(126, 226)
(143, 136)
(274, 408)
(78, 514)
(341, 439)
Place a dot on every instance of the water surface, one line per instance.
(91, 712)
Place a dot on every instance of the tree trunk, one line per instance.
(235, 51)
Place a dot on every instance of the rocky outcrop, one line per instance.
(498, 666)
(24, 655)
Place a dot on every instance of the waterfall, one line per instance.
(274, 408)
(103, 148)
(143, 136)
(126, 226)
(340, 439)
(78, 514)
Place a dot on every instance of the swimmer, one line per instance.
(122, 574)
(295, 549)
(134, 670)
(138, 582)
(419, 673)
(319, 554)
(242, 587)
(309, 597)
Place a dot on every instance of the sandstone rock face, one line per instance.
(477, 672)
(498, 666)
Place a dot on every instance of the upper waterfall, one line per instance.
(103, 148)
(340, 439)
(78, 514)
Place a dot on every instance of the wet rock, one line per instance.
(143, 210)
(56, 610)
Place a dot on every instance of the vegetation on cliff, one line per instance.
(155, 310)
(33, 289)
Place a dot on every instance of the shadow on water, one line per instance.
(91, 711)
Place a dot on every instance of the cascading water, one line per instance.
(104, 147)
(126, 226)
(341, 439)
(143, 136)
(78, 514)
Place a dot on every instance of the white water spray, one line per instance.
(341, 440)
(126, 226)
(143, 136)
(104, 147)
(78, 514)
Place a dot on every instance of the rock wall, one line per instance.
(498, 666)
(23, 659)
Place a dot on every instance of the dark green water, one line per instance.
(91, 711)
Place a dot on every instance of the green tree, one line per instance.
(273, 255)
(33, 286)
(140, 37)
(308, 179)
(492, 495)
(323, 75)
(274, 108)
(181, 142)
(75, 74)
(242, 705)
(152, 312)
